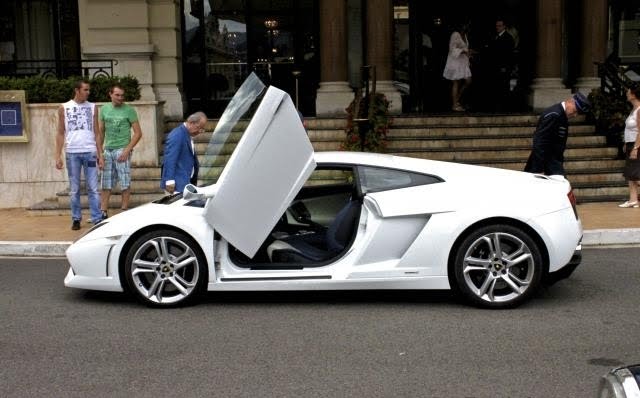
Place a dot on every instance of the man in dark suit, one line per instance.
(500, 54)
(550, 137)
(180, 165)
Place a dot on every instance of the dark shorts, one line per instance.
(631, 166)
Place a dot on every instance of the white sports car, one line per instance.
(282, 217)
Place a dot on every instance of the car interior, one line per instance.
(318, 227)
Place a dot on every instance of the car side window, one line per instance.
(330, 176)
(324, 194)
(375, 179)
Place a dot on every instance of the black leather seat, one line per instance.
(320, 246)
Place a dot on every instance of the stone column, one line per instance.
(143, 36)
(334, 94)
(593, 42)
(166, 36)
(547, 87)
(380, 49)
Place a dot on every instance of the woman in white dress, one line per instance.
(457, 67)
(631, 148)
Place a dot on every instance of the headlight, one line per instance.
(98, 225)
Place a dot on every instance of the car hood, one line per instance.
(177, 214)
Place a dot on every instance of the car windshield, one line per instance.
(229, 129)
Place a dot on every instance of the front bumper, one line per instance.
(107, 284)
(94, 264)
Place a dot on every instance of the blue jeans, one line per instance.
(88, 162)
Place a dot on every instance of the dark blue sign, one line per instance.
(10, 119)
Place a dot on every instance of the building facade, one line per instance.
(193, 54)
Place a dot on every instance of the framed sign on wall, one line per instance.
(14, 119)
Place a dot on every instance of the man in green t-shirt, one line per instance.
(116, 121)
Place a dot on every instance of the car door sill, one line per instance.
(276, 278)
(272, 267)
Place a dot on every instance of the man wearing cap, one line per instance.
(550, 137)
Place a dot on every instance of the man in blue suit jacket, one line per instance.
(180, 165)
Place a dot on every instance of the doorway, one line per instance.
(422, 32)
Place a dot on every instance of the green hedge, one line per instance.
(47, 90)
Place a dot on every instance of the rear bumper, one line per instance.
(568, 269)
(576, 259)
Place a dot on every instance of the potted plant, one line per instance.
(608, 113)
(367, 123)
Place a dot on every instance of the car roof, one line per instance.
(371, 159)
(402, 163)
(450, 171)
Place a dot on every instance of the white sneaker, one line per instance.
(629, 204)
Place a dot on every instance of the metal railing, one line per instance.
(614, 78)
(610, 106)
(225, 77)
(58, 68)
(363, 119)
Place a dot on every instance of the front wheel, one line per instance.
(165, 268)
(498, 266)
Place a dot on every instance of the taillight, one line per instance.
(573, 201)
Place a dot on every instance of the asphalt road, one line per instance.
(64, 342)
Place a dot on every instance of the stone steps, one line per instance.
(595, 194)
(60, 205)
(144, 172)
(470, 131)
(475, 155)
(595, 177)
(137, 198)
(571, 166)
(502, 141)
(448, 151)
(487, 143)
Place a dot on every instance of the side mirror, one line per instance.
(190, 192)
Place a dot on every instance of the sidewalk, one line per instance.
(24, 233)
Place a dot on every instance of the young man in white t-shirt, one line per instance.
(79, 134)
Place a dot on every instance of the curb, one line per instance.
(591, 238)
(611, 237)
(33, 248)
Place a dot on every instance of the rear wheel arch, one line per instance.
(496, 221)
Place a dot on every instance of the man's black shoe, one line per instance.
(76, 225)
(105, 215)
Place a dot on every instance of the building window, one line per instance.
(41, 31)
(224, 41)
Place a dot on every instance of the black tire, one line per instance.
(165, 268)
(489, 279)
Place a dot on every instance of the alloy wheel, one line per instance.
(498, 267)
(164, 270)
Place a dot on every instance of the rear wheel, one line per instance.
(165, 268)
(498, 266)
